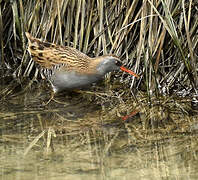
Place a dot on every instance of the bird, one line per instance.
(67, 68)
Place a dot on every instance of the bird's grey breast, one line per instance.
(72, 80)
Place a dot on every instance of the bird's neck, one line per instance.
(95, 63)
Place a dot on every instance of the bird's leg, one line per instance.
(51, 98)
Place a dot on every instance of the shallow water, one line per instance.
(78, 138)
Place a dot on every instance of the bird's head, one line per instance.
(111, 63)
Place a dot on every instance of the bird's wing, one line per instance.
(50, 55)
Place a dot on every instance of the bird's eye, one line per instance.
(118, 63)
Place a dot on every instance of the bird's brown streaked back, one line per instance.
(49, 55)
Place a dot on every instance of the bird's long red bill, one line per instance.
(129, 71)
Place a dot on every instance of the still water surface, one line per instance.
(79, 139)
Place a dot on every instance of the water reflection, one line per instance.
(79, 139)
